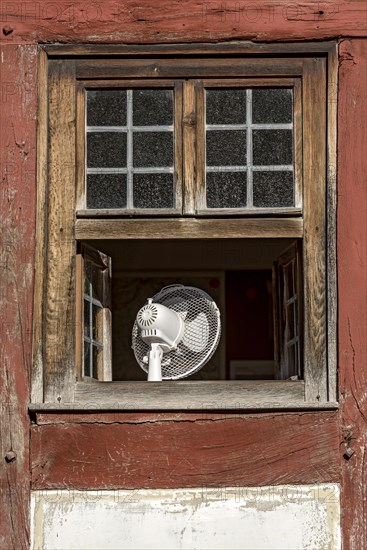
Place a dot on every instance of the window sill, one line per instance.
(189, 395)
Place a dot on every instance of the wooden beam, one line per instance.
(194, 395)
(314, 253)
(224, 48)
(352, 279)
(125, 450)
(188, 228)
(191, 21)
(18, 115)
(59, 313)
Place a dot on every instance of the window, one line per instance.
(210, 166)
(242, 148)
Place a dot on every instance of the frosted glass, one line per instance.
(272, 106)
(106, 149)
(226, 106)
(152, 107)
(272, 147)
(106, 107)
(226, 148)
(273, 189)
(153, 191)
(106, 191)
(153, 149)
(226, 190)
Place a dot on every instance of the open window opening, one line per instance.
(256, 284)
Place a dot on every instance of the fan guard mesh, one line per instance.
(202, 331)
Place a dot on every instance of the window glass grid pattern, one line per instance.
(290, 316)
(261, 179)
(92, 309)
(121, 157)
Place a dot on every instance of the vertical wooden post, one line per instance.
(18, 67)
(352, 278)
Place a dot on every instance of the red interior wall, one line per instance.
(302, 447)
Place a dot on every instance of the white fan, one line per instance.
(176, 332)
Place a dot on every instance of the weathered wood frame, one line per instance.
(176, 86)
(189, 144)
(102, 263)
(54, 380)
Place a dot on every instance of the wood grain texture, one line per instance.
(193, 395)
(189, 146)
(187, 67)
(314, 253)
(18, 66)
(40, 240)
(188, 228)
(331, 214)
(59, 315)
(202, 48)
(352, 278)
(191, 21)
(185, 451)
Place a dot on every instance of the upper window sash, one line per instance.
(124, 159)
(201, 163)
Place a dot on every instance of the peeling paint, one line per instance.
(274, 517)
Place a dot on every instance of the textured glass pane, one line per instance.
(97, 288)
(272, 147)
(288, 276)
(292, 361)
(290, 325)
(273, 189)
(96, 358)
(271, 106)
(87, 359)
(153, 149)
(226, 190)
(226, 148)
(106, 191)
(86, 319)
(96, 311)
(152, 107)
(226, 106)
(106, 149)
(106, 108)
(153, 191)
(88, 276)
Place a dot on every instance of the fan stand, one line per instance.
(154, 361)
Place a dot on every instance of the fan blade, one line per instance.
(196, 335)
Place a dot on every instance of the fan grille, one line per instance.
(201, 336)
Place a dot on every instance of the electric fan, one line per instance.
(176, 332)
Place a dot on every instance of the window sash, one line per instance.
(189, 145)
(81, 183)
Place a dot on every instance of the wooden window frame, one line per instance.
(101, 263)
(54, 382)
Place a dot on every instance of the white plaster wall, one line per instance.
(281, 517)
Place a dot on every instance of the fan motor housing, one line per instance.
(159, 324)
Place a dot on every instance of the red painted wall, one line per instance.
(352, 273)
(301, 447)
